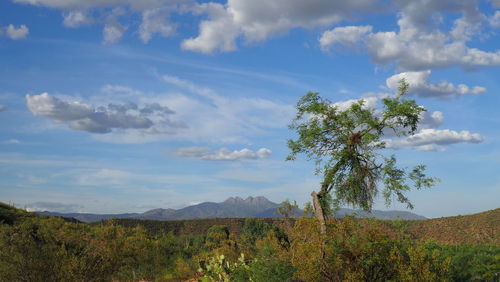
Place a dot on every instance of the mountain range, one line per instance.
(233, 207)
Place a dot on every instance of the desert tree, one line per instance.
(347, 146)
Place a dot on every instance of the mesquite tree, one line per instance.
(346, 145)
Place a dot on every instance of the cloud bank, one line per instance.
(102, 119)
(421, 43)
(260, 19)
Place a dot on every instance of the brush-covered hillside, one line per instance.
(478, 229)
(475, 229)
(37, 247)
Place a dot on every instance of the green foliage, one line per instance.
(270, 271)
(361, 251)
(287, 209)
(345, 144)
(216, 236)
(219, 269)
(255, 229)
(9, 214)
(41, 248)
(470, 263)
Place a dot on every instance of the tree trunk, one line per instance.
(319, 213)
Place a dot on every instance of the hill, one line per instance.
(233, 207)
(477, 229)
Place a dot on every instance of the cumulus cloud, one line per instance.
(420, 43)
(76, 18)
(155, 21)
(434, 139)
(150, 118)
(85, 4)
(370, 102)
(431, 120)
(16, 33)
(223, 154)
(113, 31)
(201, 114)
(495, 20)
(154, 15)
(346, 35)
(260, 19)
(420, 85)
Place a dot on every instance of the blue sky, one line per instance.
(111, 106)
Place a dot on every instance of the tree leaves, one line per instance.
(344, 144)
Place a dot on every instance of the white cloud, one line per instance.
(260, 19)
(2, 108)
(16, 33)
(154, 21)
(419, 84)
(154, 14)
(76, 18)
(346, 35)
(495, 20)
(113, 31)
(369, 103)
(223, 154)
(86, 4)
(201, 114)
(218, 33)
(420, 44)
(431, 120)
(151, 118)
(429, 139)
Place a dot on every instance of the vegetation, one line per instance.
(345, 145)
(43, 248)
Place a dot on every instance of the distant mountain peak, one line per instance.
(253, 201)
(233, 200)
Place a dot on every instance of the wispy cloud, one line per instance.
(11, 141)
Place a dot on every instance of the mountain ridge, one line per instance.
(232, 207)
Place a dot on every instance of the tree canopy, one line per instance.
(347, 147)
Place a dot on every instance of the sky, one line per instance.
(111, 106)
